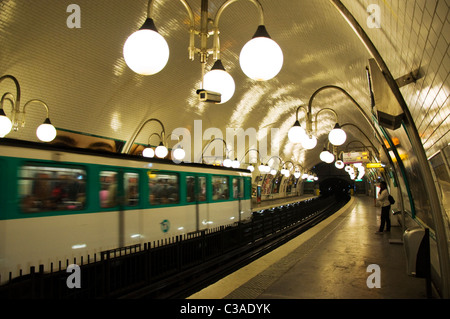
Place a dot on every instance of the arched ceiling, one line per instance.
(81, 74)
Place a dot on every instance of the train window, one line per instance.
(45, 188)
(131, 185)
(220, 188)
(108, 189)
(201, 188)
(191, 190)
(238, 188)
(163, 188)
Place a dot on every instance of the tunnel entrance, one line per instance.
(335, 186)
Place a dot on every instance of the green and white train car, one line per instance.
(58, 204)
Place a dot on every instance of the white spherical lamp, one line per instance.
(161, 151)
(235, 163)
(145, 51)
(227, 162)
(309, 142)
(296, 133)
(5, 124)
(337, 135)
(148, 152)
(339, 164)
(218, 80)
(261, 58)
(46, 132)
(179, 153)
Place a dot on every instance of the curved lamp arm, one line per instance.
(209, 143)
(8, 96)
(373, 146)
(324, 109)
(34, 101)
(252, 149)
(136, 133)
(18, 91)
(216, 48)
(275, 156)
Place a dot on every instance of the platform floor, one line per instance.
(329, 261)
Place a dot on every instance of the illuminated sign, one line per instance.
(375, 165)
(355, 157)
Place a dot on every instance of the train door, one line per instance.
(196, 193)
(119, 192)
(238, 195)
(201, 205)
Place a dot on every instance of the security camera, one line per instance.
(209, 96)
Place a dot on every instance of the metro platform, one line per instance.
(328, 261)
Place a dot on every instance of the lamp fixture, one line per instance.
(337, 135)
(45, 132)
(179, 153)
(146, 52)
(227, 162)
(218, 80)
(148, 151)
(339, 164)
(260, 51)
(235, 163)
(161, 151)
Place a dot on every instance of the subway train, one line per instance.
(63, 203)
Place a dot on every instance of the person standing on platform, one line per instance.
(385, 208)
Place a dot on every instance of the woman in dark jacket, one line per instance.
(385, 208)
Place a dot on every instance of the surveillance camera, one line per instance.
(209, 96)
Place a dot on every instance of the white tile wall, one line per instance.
(416, 34)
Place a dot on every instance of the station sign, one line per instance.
(356, 157)
(375, 165)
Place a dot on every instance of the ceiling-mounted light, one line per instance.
(337, 135)
(146, 51)
(227, 162)
(251, 168)
(148, 152)
(297, 174)
(235, 163)
(179, 153)
(296, 133)
(261, 58)
(5, 124)
(273, 172)
(46, 132)
(218, 80)
(339, 164)
(161, 151)
(309, 142)
(326, 156)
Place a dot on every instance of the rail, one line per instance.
(174, 267)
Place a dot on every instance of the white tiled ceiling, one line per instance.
(81, 74)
